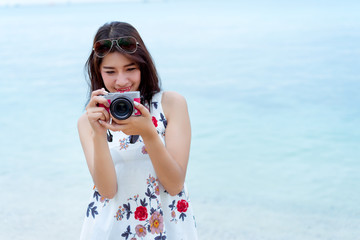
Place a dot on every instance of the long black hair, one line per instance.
(150, 81)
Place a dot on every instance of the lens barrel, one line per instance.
(121, 108)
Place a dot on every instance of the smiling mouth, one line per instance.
(122, 90)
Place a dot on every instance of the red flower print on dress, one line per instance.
(182, 206)
(154, 121)
(141, 213)
(147, 211)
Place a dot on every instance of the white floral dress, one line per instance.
(141, 209)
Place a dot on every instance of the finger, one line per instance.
(98, 113)
(93, 117)
(120, 122)
(111, 126)
(106, 113)
(102, 100)
(98, 92)
(143, 110)
(94, 96)
(98, 100)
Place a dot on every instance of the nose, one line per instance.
(121, 79)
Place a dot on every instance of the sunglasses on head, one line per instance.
(127, 44)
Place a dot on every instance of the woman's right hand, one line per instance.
(95, 112)
(93, 141)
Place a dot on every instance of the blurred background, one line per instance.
(273, 94)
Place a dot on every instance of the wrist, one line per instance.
(150, 134)
(97, 135)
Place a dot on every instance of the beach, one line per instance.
(272, 90)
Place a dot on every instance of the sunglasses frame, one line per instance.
(117, 43)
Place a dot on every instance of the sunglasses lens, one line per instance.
(102, 47)
(128, 44)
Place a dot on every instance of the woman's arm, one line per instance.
(94, 143)
(169, 161)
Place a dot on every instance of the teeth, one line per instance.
(123, 89)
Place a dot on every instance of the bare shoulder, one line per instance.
(173, 103)
(170, 98)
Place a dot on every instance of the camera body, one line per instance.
(122, 104)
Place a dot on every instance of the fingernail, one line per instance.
(103, 89)
(136, 103)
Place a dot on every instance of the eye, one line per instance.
(130, 69)
(110, 72)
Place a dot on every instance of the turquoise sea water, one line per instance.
(273, 94)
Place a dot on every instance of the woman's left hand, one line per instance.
(134, 125)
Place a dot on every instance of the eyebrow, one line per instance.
(127, 65)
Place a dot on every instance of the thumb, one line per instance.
(142, 109)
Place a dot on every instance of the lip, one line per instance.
(122, 90)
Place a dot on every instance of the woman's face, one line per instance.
(120, 74)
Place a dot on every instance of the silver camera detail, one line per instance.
(122, 104)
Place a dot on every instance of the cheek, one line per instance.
(107, 81)
(138, 77)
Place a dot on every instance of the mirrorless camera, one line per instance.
(122, 104)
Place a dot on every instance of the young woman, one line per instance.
(139, 164)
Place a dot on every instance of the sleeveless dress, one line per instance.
(141, 209)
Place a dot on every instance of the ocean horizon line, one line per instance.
(19, 3)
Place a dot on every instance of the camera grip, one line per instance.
(102, 105)
(137, 112)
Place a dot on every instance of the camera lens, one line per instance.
(121, 108)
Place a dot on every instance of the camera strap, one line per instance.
(109, 136)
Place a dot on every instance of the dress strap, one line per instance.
(156, 103)
(157, 97)
(158, 114)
